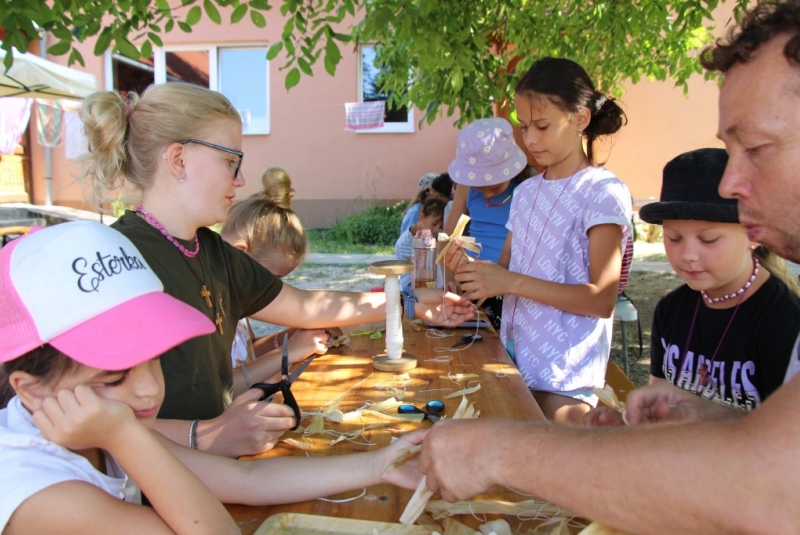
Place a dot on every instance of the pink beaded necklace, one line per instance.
(737, 293)
(157, 224)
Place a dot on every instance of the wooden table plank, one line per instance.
(503, 394)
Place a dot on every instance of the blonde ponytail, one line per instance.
(127, 136)
(266, 223)
(778, 267)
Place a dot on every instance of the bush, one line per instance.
(379, 225)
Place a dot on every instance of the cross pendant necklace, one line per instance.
(205, 294)
(218, 321)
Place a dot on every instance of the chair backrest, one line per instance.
(627, 260)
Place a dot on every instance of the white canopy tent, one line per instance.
(34, 77)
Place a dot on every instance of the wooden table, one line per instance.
(503, 394)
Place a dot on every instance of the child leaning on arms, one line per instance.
(82, 322)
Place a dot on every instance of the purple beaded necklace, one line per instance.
(157, 224)
(737, 293)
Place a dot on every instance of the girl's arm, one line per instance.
(459, 207)
(81, 420)
(279, 480)
(314, 309)
(596, 298)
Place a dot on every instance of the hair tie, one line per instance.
(127, 110)
(599, 103)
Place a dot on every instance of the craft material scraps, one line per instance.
(609, 397)
(416, 505)
(458, 377)
(464, 392)
(374, 334)
(467, 242)
(299, 444)
(338, 341)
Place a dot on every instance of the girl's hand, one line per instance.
(407, 475)
(482, 279)
(442, 308)
(304, 343)
(80, 419)
(456, 256)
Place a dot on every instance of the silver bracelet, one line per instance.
(246, 376)
(193, 434)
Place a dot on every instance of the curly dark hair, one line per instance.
(567, 85)
(767, 20)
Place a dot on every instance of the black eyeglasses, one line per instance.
(238, 153)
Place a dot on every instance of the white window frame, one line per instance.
(407, 127)
(160, 75)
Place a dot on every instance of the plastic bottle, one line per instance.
(424, 247)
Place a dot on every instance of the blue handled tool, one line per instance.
(432, 411)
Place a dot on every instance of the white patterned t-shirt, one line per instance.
(557, 350)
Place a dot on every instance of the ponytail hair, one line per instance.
(567, 85)
(266, 223)
(778, 267)
(128, 134)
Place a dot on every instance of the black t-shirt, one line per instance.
(198, 373)
(751, 361)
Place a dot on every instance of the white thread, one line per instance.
(394, 326)
(436, 390)
(363, 492)
(436, 333)
(440, 358)
(501, 374)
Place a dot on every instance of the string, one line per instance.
(541, 234)
(363, 492)
(394, 327)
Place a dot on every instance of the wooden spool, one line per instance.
(407, 361)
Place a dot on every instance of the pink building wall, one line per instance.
(335, 171)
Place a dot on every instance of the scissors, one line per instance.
(285, 384)
(466, 339)
(432, 410)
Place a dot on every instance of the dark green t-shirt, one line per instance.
(198, 372)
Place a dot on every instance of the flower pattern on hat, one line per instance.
(486, 149)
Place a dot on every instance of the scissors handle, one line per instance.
(270, 389)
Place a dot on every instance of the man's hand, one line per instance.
(600, 416)
(664, 402)
(442, 308)
(247, 426)
(457, 456)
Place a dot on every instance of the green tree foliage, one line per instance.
(461, 55)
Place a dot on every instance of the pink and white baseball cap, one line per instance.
(85, 289)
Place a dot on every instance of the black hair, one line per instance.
(761, 24)
(433, 207)
(443, 184)
(46, 363)
(567, 85)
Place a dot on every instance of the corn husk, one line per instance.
(458, 377)
(299, 444)
(496, 527)
(408, 454)
(467, 242)
(595, 528)
(464, 392)
(454, 527)
(441, 509)
(317, 425)
(609, 397)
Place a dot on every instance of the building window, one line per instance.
(239, 73)
(398, 119)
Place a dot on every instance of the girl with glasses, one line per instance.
(559, 269)
(149, 144)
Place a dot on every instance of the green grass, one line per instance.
(322, 243)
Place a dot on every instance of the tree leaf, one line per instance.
(258, 19)
(305, 67)
(260, 4)
(147, 49)
(127, 49)
(238, 13)
(185, 27)
(60, 48)
(103, 41)
(76, 57)
(274, 50)
(212, 12)
(194, 15)
(155, 38)
(292, 78)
